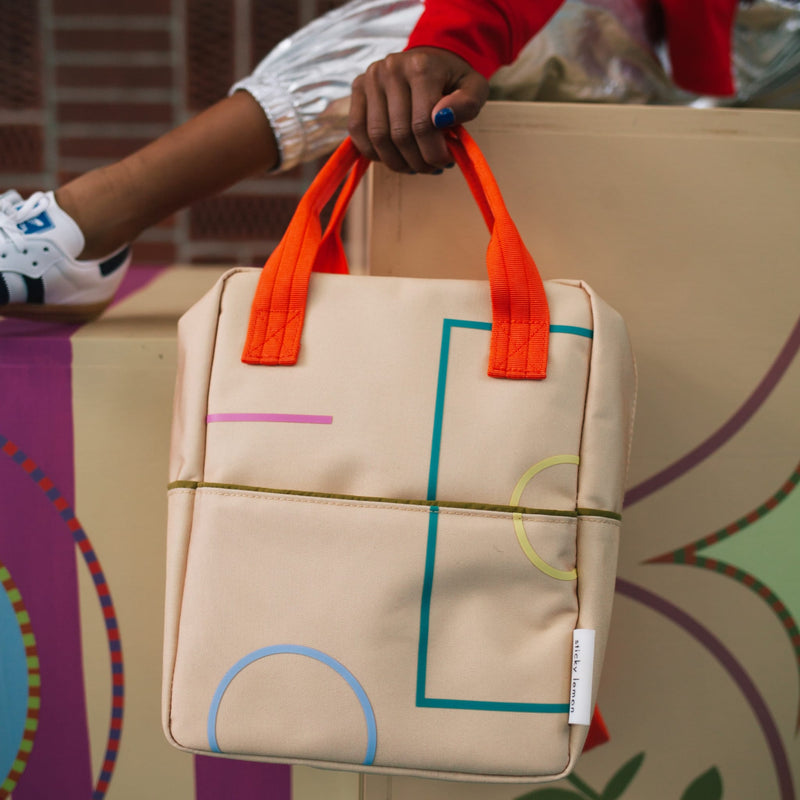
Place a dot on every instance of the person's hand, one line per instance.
(401, 104)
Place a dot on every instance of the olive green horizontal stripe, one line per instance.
(598, 512)
(583, 512)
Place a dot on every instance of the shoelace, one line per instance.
(12, 213)
(15, 212)
(8, 200)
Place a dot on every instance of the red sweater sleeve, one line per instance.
(699, 41)
(486, 33)
(490, 33)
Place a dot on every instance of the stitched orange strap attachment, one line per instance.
(520, 315)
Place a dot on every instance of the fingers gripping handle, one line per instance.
(520, 316)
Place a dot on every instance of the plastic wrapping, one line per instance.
(596, 51)
(600, 51)
(766, 55)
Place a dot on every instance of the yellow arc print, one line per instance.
(519, 528)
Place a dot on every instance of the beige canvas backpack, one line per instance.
(394, 508)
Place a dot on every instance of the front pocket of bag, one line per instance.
(379, 634)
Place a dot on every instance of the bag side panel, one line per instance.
(608, 420)
(604, 455)
(180, 514)
(197, 334)
(196, 340)
(598, 545)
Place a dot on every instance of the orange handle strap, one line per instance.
(331, 256)
(278, 309)
(520, 315)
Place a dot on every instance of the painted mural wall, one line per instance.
(693, 237)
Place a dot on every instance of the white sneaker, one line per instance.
(40, 276)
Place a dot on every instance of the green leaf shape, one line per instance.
(621, 779)
(707, 787)
(551, 793)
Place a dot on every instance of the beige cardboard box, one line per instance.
(686, 221)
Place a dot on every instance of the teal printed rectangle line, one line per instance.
(576, 330)
(438, 412)
(467, 323)
(573, 329)
(433, 525)
(425, 611)
(485, 705)
(422, 656)
(441, 384)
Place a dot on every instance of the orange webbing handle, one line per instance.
(520, 316)
(278, 309)
(331, 256)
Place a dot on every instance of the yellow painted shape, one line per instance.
(519, 528)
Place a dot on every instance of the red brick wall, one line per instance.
(84, 82)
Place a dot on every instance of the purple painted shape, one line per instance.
(244, 780)
(36, 414)
(729, 663)
(33, 341)
(312, 419)
(727, 430)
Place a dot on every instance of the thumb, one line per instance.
(463, 103)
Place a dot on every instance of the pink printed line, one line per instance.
(312, 419)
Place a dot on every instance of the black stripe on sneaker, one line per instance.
(115, 262)
(35, 287)
(4, 295)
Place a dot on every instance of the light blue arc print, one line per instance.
(308, 652)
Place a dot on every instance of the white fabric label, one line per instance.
(580, 691)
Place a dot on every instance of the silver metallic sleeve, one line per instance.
(303, 85)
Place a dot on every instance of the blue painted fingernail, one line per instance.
(444, 118)
(437, 172)
(450, 165)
